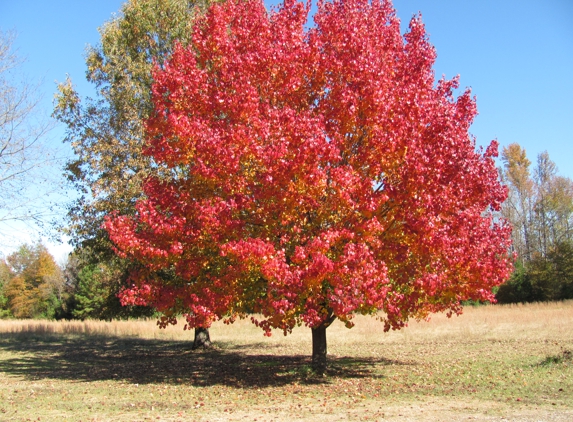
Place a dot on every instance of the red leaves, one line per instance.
(318, 172)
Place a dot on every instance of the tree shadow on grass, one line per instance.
(142, 361)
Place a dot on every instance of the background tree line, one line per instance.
(33, 285)
(540, 209)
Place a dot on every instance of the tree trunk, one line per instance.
(202, 338)
(319, 349)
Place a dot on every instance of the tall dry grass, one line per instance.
(523, 321)
(533, 321)
(132, 328)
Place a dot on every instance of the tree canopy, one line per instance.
(311, 174)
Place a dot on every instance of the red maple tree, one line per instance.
(312, 174)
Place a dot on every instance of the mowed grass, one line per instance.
(491, 363)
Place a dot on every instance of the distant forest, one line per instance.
(540, 210)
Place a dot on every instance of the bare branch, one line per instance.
(28, 166)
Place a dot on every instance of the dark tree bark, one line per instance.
(202, 338)
(319, 349)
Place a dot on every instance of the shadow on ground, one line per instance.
(155, 361)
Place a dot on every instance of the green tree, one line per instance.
(93, 290)
(5, 276)
(518, 288)
(106, 132)
(562, 260)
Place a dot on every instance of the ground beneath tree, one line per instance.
(497, 364)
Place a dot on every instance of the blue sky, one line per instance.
(517, 56)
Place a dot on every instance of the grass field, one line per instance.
(493, 363)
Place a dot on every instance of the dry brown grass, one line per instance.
(492, 362)
(521, 321)
(137, 328)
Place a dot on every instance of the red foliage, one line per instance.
(313, 173)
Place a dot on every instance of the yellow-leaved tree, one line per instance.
(35, 284)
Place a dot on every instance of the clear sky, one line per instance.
(516, 55)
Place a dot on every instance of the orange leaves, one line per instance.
(31, 276)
